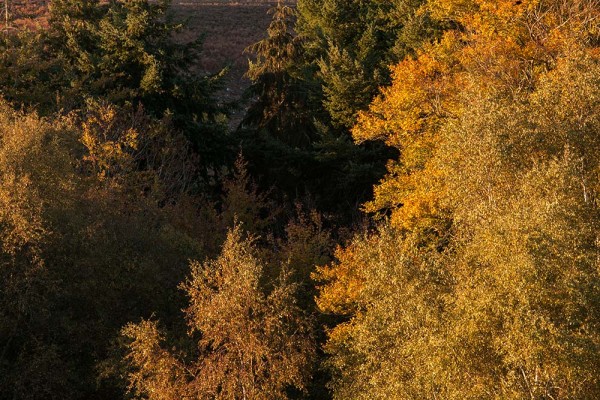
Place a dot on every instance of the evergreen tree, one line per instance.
(125, 52)
(287, 135)
(281, 104)
(351, 43)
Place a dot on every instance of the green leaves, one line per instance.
(353, 43)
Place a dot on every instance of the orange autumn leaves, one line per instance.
(481, 281)
(407, 116)
(501, 47)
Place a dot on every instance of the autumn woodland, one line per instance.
(321, 199)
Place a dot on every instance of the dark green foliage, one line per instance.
(351, 43)
(335, 173)
(30, 76)
(289, 138)
(126, 52)
(281, 102)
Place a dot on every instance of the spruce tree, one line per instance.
(351, 43)
(287, 134)
(281, 103)
(125, 52)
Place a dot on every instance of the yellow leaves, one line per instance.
(494, 199)
(109, 146)
(221, 292)
(414, 198)
(421, 210)
(517, 293)
(507, 42)
(498, 17)
(158, 373)
(408, 115)
(344, 282)
(444, 10)
(392, 287)
(20, 215)
(254, 343)
(504, 49)
(128, 149)
(34, 166)
(481, 16)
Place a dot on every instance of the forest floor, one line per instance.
(228, 27)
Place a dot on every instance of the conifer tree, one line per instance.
(351, 43)
(125, 52)
(287, 133)
(281, 104)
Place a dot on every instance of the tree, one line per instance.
(123, 52)
(351, 44)
(251, 344)
(126, 51)
(485, 285)
(392, 292)
(281, 105)
(287, 134)
(88, 244)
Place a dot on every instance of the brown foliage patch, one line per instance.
(229, 27)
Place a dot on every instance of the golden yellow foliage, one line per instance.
(161, 373)
(107, 150)
(344, 282)
(486, 284)
(33, 156)
(395, 292)
(251, 345)
(503, 48)
(79, 255)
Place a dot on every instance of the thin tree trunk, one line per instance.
(6, 15)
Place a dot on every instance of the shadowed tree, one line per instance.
(280, 101)
(251, 344)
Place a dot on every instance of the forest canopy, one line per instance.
(408, 207)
